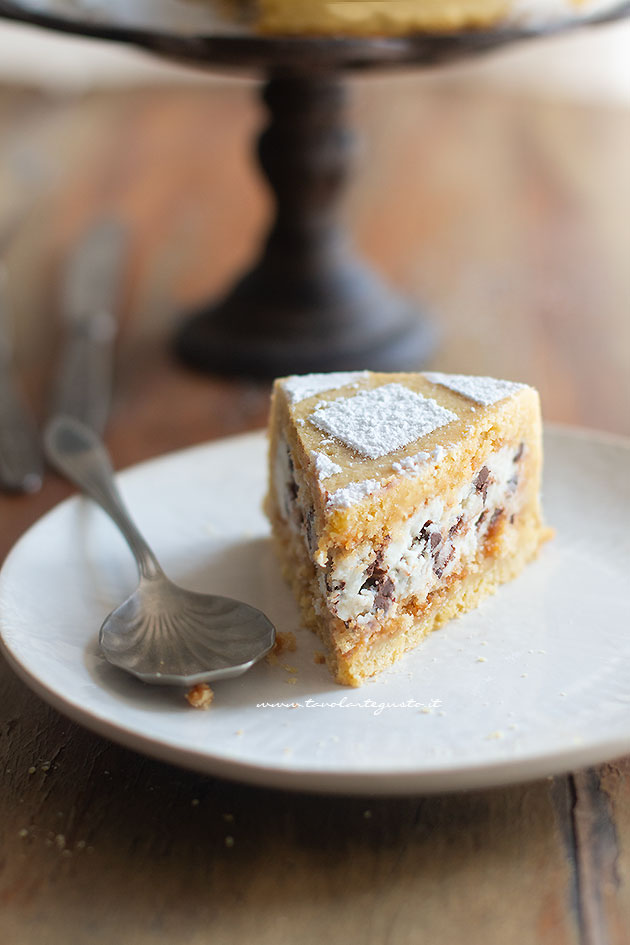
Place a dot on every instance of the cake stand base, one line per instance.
(345, 319)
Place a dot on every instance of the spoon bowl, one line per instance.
(166, 635)
(163, 633)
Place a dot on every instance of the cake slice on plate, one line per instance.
(398, 501)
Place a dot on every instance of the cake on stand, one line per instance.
(309, 303)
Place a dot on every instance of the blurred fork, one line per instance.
(21, 464)
(90, 290)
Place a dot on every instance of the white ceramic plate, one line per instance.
(534, 682)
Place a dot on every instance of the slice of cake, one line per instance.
(398, 501)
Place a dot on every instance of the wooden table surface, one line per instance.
(510, 218)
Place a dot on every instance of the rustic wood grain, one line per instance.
(509, 218)
(101, 842)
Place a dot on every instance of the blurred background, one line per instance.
(496, 192)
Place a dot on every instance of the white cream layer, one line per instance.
(433, 543)
(416, 566)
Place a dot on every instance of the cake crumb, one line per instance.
(291, 681)
(23, 832)
(239, 731)
(200, 696)
(32, 769)
(319, 658)
(497, 734)
(285, 641)
(482, 659)
(229, 841)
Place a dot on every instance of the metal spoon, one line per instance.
(162, 634)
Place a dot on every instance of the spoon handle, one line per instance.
(78, 453)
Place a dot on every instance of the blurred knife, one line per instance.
(21, 466)
(83, 381)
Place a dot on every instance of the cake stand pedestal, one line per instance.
(309, 303)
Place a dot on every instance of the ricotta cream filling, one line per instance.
(432, 544)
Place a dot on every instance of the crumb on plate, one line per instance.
(200, 696)
(285, 642)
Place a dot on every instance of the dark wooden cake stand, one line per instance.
(309, 303)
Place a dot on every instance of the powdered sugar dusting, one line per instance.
(411, 463)
(301, 386)
(377, 422)
(352, 493)
(483, 390)
(324, 466)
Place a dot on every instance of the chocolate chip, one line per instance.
(481, 478)
(377, 563)
(384, 597)
(379, 581)
(442, 561)
(496, 515)
(457, 527)
(432, 537)
(481, 481)
(512, 517)
(481, 518)
(334, 585)
(519, 453)
(374, 577)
